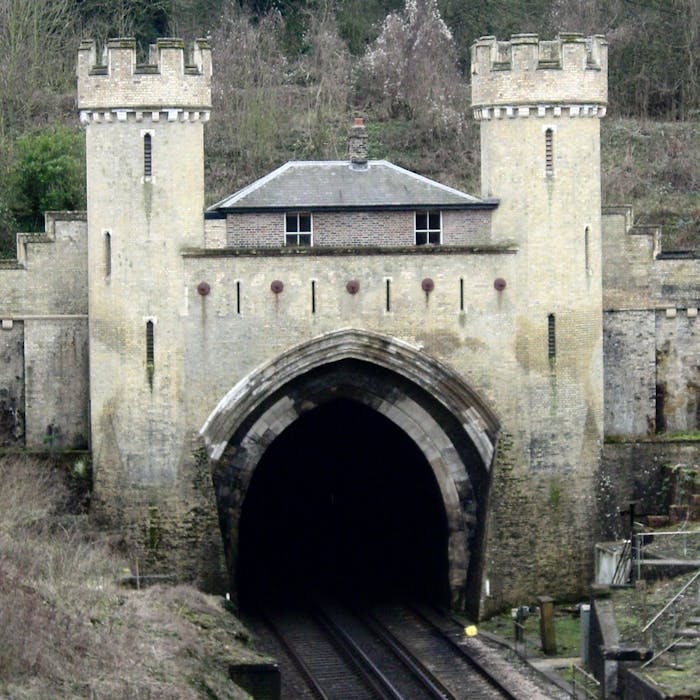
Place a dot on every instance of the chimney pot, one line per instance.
(357, 143)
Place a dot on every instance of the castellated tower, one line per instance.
(145, 197)
(539, 104)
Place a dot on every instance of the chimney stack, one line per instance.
(357, 143)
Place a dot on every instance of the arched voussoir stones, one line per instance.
(477, 419)
(448, 422)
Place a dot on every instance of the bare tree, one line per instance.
(411, 69)
(37, 57)
(327, 70)
(250, 100)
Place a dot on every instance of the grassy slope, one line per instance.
(68, 630)
(655, 166)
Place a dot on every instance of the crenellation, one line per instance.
(569, 70)
(549, 55)
(173, 77)
(524, 52)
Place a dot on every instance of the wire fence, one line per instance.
(583, 683)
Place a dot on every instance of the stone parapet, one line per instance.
(529, 77)
(172, 80)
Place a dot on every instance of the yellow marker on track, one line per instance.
(470, 631)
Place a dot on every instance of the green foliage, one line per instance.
(145, 20)
(153, 530)
(288, 78)
(655, 58)
(8, 229)
(48, 174)
(359, 21)
(470, 20)
(554, 493)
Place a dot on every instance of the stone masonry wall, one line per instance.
(678, 370)
(340, 229)
(115, 80)
(539, 503)
(11, 383)
(527, 71)
(535, 546)
(43, 340)
(57, 393)
(634, 471)
(629, 349)
(652, 361)
(215, 233)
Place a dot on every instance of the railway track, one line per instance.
(392, 652)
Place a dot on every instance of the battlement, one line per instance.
(526, 73)
(173, 79)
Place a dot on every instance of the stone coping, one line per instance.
(507, 248)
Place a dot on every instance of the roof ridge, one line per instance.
(432, 182)
(339, 188)
(230, 199)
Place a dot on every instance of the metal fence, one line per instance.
(583, 683)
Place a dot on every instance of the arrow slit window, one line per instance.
(549, 152)
(147, 155)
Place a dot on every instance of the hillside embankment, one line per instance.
(68, 629)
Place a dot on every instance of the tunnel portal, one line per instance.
(343, 500)
(353, 459)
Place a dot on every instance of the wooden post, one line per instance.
(547, 634)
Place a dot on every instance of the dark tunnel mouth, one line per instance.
(343, 502)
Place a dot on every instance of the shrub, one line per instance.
(48, 174)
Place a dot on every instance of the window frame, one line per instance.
(292, 239)
(429, 231)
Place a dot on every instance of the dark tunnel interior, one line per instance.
(343, 502)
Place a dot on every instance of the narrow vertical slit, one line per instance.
(388, 295)
(150, 352)
(147, 156)
(659, 414)
(108, 254)
(551, 337)
(461, 294)
(238, 297)
(313, 296)
(549, 151)
(586, 252)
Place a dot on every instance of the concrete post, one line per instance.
(585, 632)
(547, 634)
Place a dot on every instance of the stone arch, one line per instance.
(453, 428)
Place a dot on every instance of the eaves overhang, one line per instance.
(484, 205)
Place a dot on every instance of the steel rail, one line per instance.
(466, 654)
(417, 667)
(295, 657)
(364, 664)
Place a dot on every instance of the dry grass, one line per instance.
(655, 166)
(67, 630)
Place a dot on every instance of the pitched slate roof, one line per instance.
(317, 185)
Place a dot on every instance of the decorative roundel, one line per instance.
(203, 288)
(277, 286)
(353, 286)
(427, 285)
(499, 284)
